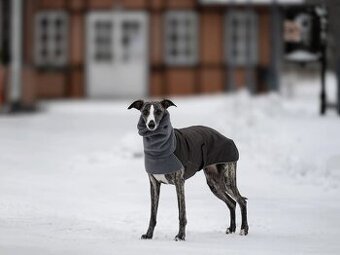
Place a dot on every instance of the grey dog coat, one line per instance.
(168, 150)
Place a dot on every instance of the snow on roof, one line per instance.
(251, 1)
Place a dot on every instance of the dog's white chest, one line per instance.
(161, 178)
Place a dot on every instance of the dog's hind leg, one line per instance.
(215, 181)
(179, 183)
(232, 190)
(154, 192)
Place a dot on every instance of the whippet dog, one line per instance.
(174, 155)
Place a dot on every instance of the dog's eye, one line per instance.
(145, 112)
(158, 112)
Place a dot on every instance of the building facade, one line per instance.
(142, 48)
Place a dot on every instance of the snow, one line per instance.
(302, 56)
(72, 179)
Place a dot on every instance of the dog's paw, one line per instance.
(230, 230)
(180, 237)
(244, 231)
(146, 236)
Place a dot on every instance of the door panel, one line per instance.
(117, 54)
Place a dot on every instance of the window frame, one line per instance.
(182, 16)
(247, 30)
(48, 61)
(103, 52)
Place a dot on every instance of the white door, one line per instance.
(117, 56)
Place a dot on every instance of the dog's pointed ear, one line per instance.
(167, 103)
(138, 104)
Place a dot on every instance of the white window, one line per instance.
(241, 38)
(103, 30)
(181, 38)
(51, 39)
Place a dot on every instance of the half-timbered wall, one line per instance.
(209, 74)
(212, 73)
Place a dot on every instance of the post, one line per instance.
(14, 90)
(323, 81)
(338, 82)
(1, 17)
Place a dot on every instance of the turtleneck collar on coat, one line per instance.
(159, 147)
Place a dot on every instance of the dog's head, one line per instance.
(152, 112)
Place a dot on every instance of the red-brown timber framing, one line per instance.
(209, 75)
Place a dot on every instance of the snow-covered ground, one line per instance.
(72, 179)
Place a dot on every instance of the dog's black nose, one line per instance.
(151, 124)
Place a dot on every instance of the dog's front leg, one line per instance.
(155, 187)
(179, 182)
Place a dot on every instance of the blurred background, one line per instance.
(110, 49)
(72, 177)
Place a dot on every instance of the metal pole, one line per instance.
(323, 96)
(338, 83)
(1, 17)
(323, 32)
(14, 91)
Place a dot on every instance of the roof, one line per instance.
(251, 1)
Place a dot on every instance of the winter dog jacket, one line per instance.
(167, 150)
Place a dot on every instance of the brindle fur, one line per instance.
(221, 179)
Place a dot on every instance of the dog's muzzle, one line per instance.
(151, 125)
